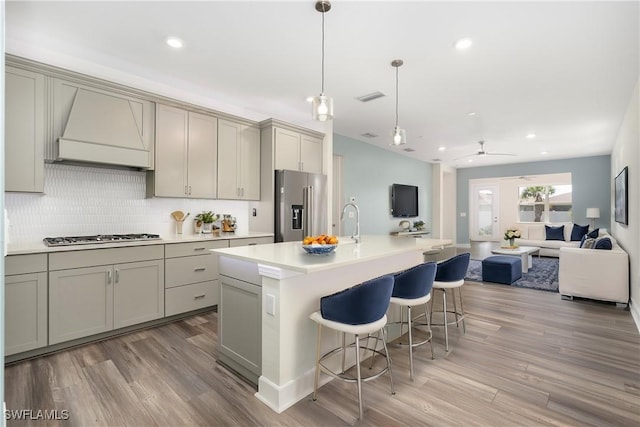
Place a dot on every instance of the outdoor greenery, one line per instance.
(537, 195)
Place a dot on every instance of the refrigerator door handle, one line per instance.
(310, 209)
(305, 210)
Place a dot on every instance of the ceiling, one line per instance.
(563, 70)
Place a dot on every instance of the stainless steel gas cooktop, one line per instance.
(98, 238)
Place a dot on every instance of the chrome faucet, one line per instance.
(356, 234)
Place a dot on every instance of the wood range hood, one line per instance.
(104, 128)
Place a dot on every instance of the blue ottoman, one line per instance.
(501, 269)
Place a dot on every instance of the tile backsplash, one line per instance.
(83, 200)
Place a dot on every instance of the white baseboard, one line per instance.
(635, 313)
(279, 398)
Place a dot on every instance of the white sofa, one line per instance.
(535, 235)
(595, 273)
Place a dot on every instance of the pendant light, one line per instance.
(399, 135)
(322, 104)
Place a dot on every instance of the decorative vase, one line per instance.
(512, 242)
(207, 227)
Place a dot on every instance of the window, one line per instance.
(544, 203)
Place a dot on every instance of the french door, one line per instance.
(484, 224)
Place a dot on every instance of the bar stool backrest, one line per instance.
(363, 303)
(415, 282)
(453, 269)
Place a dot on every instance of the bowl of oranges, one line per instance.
(321, 244)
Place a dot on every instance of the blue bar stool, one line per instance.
(450, 275)
(412, 287)
(360, 310)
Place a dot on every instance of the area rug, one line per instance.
(543, 275)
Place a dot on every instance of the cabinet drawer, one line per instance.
(95, 257)
(191, 297)
(191, 269)
(21, 264)
(193, 248)
(251, 241)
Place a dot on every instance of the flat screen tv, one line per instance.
(404, 201)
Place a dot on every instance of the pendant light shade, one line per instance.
(322, 104)
(399, 135)
(322, 107)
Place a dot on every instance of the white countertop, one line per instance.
(291, 256)
(40, 247)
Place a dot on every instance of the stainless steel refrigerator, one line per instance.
(300, 205)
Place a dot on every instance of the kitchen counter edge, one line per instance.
(40, 247)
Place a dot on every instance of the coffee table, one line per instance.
(524, 252)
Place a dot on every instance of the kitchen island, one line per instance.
(268, 292)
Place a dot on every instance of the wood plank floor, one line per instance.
(528, 359)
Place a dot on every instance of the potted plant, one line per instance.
(205, 220)
(418, 225)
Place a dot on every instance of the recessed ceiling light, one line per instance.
(174, 42)
(470, 160)
(442, 148)
(463, 44)
(309, 99)
(471, 113)
(531, 135)
(544, 153)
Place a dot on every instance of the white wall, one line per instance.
(444, 202)
(2, 236)
(82, 200)
(626, 153)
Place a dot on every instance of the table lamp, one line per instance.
(592, 214)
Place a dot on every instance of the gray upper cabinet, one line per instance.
(25, 101)
(186, 154)
(297, 151)
(101, 125)
(238, 161)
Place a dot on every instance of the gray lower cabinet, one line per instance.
(251, 241)
(85, 301)
(191, 276)
(240, 318)
(25, 309)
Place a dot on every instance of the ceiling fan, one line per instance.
(481, 152)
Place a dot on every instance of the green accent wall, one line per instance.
(590, 178)
(369, 172)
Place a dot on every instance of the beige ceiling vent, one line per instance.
(370, 96)
(369, 135)
(408, 150)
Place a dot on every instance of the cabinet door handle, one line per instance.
(117, 275)
(199, 296)
(108, 277)
(242, 191)
(185, 190)
(198, 249)
(189, 190)
(200, 269)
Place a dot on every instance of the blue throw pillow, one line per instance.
(584, 238)
(554, 233)
(603, 243)
(578, 231)
(594, 233)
